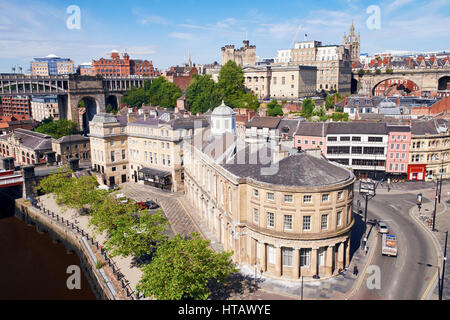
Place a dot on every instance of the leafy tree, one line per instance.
(182, 268)
(136, 235)
(377, 71)
(82, 104)
(110, 109)
(329, 100)
(232, 89)
(56, 181)
(339, 116)
(202, 94)
(57, 128)
(318, 111)
(307, 107)
(274, 109)
(163, 93)
(136, 97)
(360, 72)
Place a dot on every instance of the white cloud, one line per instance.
(181, 35)
(397, 4)
(152, 19)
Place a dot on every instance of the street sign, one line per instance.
(367, 187)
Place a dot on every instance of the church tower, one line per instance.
(353, 43)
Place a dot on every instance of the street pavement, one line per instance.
(410, 275)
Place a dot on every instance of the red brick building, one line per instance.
(440, 107)
(15, 105)
(181, 76)
(122, 67)
(10, 123)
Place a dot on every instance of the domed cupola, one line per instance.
(223, 119)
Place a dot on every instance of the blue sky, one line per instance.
(164, 31)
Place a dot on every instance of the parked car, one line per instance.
(141, 205)
(152, 204)
(383, 228)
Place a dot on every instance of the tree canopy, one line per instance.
(182, 268)
(136, 97)
(163, 93)
(202, 94)
(130, 232)
(307, 107)
(274, 109)
(57, 128)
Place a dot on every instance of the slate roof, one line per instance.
(421, 128)
(263, 122)
(300, 170)
(356, 128)
(32, 140)
(313, 129)
(72, 138)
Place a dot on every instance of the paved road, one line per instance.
(408, 275)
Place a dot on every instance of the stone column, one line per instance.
(313, 266)
(251, 249)
(329, 260)
(262, 259)
(340, 262)
(347, 253)
(278, 261)
(296, 263)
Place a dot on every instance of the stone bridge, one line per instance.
(96, 92)
(428, 80)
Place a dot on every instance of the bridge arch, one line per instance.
(394, 85)
(444, 83)
(92, 108)
(113, 101)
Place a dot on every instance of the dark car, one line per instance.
(152, 204)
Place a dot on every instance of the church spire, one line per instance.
(189, 58)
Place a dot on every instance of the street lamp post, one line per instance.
(368, 190)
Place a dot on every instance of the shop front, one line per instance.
(156, 178)
(417, 172)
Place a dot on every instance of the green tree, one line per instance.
(136, 234)
(182, 268)
(377, 71)
(56, 181)
(274, 109)
(110, 109)
(339, 116)
(360, 72)
(82, 104)
(58, 128)
(202, 94)
(307, 108)
(163, 93)
(136, 97)
(232, 89)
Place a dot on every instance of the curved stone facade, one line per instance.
(286, 231)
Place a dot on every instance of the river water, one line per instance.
(32, 267)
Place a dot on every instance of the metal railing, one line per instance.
(70, 226)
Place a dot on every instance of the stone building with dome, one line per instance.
(288, 215)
